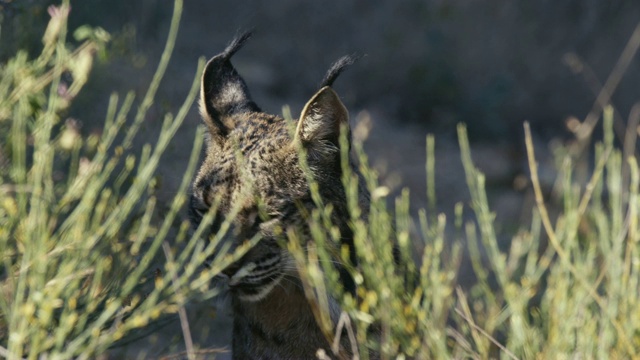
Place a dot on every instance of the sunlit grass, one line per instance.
(565, 287)
(80, 261)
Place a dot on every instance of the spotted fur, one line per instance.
(252, 166)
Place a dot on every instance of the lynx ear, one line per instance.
(223, 92)
(320, 121)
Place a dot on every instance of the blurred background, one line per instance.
(427, 65)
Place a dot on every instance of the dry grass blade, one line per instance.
(345, 322)
(486, 334)
(181, 355)
(182, 313)
(586, 128)
(591, 185)
(630, 139)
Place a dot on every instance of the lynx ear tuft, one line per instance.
(337, 68)
(223, 92)
(320, 121)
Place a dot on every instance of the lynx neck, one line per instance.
(281, 325)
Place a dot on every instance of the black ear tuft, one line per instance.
(223, 92)
(236, 44)
(337, 68)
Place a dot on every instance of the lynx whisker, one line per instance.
(243, 272)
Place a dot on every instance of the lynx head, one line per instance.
(252, 170)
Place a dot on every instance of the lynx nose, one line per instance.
(232, 269)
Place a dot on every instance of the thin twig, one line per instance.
(597, 174)
(486, 334)
(610, 85)
(460, 340)
(343, 322)
(182, 313)
(197, 352)
(577, 65)
(630, 138)
(48, 77)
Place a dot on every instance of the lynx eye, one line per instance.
(200, 211)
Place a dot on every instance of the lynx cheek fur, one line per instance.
(272, 318)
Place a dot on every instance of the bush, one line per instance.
(564, 290)
(79, 230)
(80, 233)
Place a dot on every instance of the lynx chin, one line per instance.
(252, 173)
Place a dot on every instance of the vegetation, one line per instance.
(81, 266)
(79, 229)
